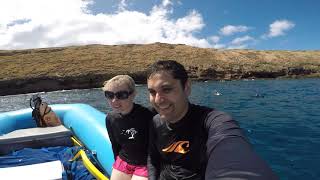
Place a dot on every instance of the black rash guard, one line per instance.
(129, 134)
(204, 144)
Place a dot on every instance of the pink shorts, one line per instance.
(123, 166)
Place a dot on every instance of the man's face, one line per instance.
(168, 96)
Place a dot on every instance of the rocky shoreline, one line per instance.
(79, 67)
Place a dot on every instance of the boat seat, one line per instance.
(35, 138)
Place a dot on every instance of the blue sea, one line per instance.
(280, 117)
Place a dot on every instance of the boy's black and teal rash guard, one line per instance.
(204, 144)
(129, 134)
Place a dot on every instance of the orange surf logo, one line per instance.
(181, 147)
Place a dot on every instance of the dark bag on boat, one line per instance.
(42, 113)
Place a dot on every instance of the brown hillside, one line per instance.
(88, 66)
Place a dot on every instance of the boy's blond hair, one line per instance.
(120, 80)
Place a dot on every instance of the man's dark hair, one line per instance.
(176, 69)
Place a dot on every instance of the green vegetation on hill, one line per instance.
(88, 66)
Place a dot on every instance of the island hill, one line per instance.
(77, 67)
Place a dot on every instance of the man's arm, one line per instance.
(230, 155)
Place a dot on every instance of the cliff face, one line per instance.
(49, 69)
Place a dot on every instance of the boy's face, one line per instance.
(122, 106)
(168, 96)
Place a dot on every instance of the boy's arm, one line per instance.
(115, 146)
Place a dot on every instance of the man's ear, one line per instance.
(187, 87)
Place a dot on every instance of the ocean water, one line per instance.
(280, 117)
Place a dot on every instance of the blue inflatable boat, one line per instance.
(82, 121)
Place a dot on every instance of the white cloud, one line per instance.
(215, 42)
(243, 46)
(230, 29)
(191, 22)
(52, 23)
(166, 3)
(122, 5)
(219, 46)
(214, 39)
(279, 27)
(241, 40)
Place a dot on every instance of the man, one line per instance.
(188, 141)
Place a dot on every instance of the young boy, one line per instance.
(127, 126)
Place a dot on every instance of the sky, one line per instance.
(222, 24)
